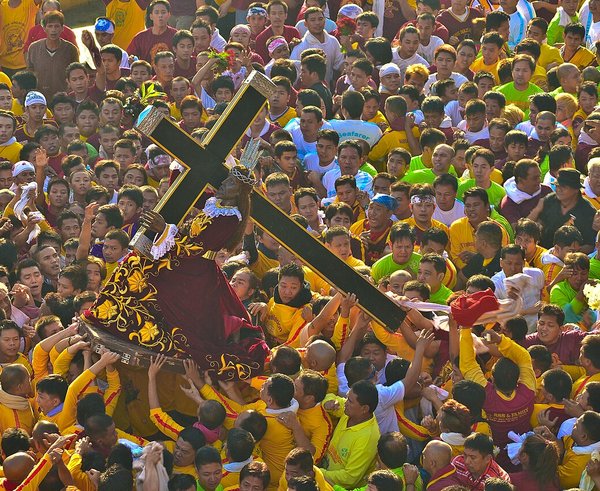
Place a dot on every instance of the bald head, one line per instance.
(17, 466)
(320, 355)
(436, 455)
(12, 377)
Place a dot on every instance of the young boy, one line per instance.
(474, 125)
(72, 280)
(130, 201)
(406, 54)
(422, 206)
(527, 236)
(515, 143)
(87, 119)
(395, 112)
(185, 61)
(107, 175)
(566, 239)
(180, 87)
(573, 52)
(107, 137)
(124, 153)
(286, 157)
(191, 113)
(398, 162)
(279, 111)
(482, 165)
(223, 89)
(432, 270)
(114, 248)
(491, 46)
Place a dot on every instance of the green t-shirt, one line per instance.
(416, 163)
(555, 31)
(423, 176)
(494, 215)
(594, 269)
(441, 296)
(519, 98)
(386, 266)
(369, 169)
(495, 192)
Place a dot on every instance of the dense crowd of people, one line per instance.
(448, 151)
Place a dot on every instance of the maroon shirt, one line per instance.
(145, 45)
(525, 481)
(443, 478)
(439, 30)
(459, 28)
(260, 45)
(186, 72)
(566, 347)
(513, 211)
(582, 155)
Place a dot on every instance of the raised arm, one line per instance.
(468, 364)
(85, 236)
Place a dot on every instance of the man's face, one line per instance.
(445, 62)
(49, 262)
(445, 196)
(392, 82)
(125, 157)
(6, 179)
(340, 220)
(409, 44)
(59, 195)
(110, 63)
(70, 229)
(184, 49)
(475, 122)
(10, 341)
(179, 89)
(112, 250)
(521, 73)
(128, 208)
(7, 129)
(441, 159)
(433, 119)
(548, 329)
(578, 278)
(53, 30)
(99, 226)
(422, 211)
(544, 128)
(481, 169)
(566, 193)
(183, 454)
(64, 113)
(308, 208)
(51, 143)
(402, 249)
(326, 150)
(307, 78)
(104, 38)
(346, 193)
(349, 161)
(160, 15)
(364, 29)
(140, 74)
(277, 15)
(109, 178)
(531, 183)
(475, 462)
(536, 33)
(111, 114)
(87, 122)
(396, 165)
(279, 98)
(358, 78)
(288, 287)
(257, 22)
(475, 210)
(497, 139)
(340, 246)
(6, 100)
(191, 117)
(202, 39)
(512, 264)
(280, 195)
(65, 288)
(425, 28)
(32, 278)
(36, 112)
(353, 408)
(25, 177)
(252, 483)
(428, 274)
(516, 151)
(315, 23)
(164, 68)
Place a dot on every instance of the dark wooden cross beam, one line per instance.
(204, 166)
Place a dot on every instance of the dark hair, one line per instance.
(472, 395)
(113, 215)
(384, 480)
(366, 394)
(182, 482)
(315, 64)
(480, 443)
(380, 49)
(256, 424)
(543, 459)
(590, 349)
(53, 385)
(14, 440)
(435, 234)
(567, 235)
(558, 383)
(286, 360)
(292, 270)
(497, 484)
(256, 469)
(281, 389)
(575, 28)
(517, 326)
(392, 449)
(207, 455)
(240, 444)
(303, 483)
(541, 358)
(401, 230)
(494, 19)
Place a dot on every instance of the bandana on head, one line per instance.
(389, 69)
(211, 435)
(276, 43)
(350, 10)
(241, 27)
(425, 198)
(385, 200)
(104, 25)
(159, 160)
(256, 11)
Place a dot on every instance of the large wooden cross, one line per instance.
(204, 167)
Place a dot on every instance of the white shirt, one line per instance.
(447, 217)
(217, 41)
(428, 51)
(311, 163)
(472, 136)
(452, 110)
(331, 46)
(385, 413)
(330, 26)
(518, 28)
(531, 295)
(363, 181)
(457, 77)
(404, 63)
(356, 128)
(302, 146)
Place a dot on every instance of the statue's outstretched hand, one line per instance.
(153, 221)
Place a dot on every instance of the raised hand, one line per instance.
(156, 364)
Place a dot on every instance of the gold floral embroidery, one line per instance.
(137, 282)
(148, 332)
(199, 223)
(106, 310)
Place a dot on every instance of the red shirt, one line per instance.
(467, 479)
(260, 45)
(566, 347)
(145, 44)
(443, 478)
(186, 72)
(524, 481)
(37, 32)
(456, 27)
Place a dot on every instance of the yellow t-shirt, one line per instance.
(478, 65)
(549, 54)
(16, 23)
(285, 118)
(128, 18)
(11, 152)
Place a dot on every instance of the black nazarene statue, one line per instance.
(179, 303)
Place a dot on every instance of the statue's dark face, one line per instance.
(229, 190)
